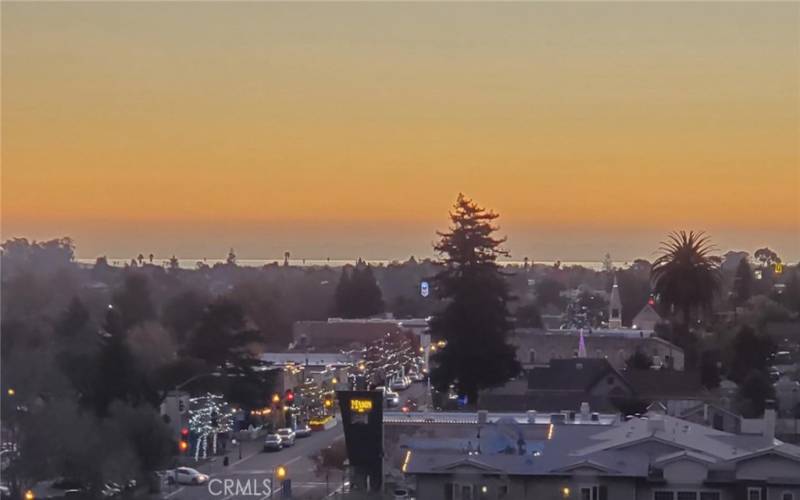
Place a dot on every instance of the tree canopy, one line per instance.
(686, 275)
(475, 320)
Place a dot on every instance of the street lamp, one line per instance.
(11, 391)
(276, 398)
(235, 441)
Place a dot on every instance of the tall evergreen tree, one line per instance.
(357, 294)
(368, 297)
(475, 320)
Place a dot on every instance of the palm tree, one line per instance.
(686, 276)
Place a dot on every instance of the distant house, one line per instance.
(537, 347)
(714, 416)
(676, 391)
(646, 319)
(566, 383)
(341, 334)
(561, 386)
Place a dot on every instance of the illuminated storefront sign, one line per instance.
(361, 405)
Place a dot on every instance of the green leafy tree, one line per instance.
(475, 321)
(686, 276)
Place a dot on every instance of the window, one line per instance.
(614, 313)
(593, 493)
(687, 495)
(466, 492)
(502, 491)
(719, 423)
(787, 496)
(754, 494)
(663, 495)
(709, 495)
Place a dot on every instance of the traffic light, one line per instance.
(183, 444)
(289, 396)
(181, 405)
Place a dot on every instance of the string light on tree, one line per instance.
(208, 416)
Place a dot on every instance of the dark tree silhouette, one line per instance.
(182, 313)
(132, 302)
(753, 394)
(750, 352)
(528, 316)
(223, 338)
(639, 361)
(686, 276)
(475, 321)
(742, 283)
(766, 257)
(357, 293)
(548, 291)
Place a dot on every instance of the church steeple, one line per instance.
(615, 307)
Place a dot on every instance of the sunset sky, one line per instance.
(348, 129)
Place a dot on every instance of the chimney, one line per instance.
(655, 424)
(585, 411)
(483, 417)
(769, 420)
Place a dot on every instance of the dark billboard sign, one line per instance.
(362, 420)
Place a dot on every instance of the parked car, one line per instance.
(287, 436)
(273, 442)
(391, 398)
(187, 475)
(400, 384)
(302, 431)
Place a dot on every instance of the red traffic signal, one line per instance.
(289, 396)
(184, 433)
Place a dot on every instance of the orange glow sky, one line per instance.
(339, 130)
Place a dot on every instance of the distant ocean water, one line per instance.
(192, 263)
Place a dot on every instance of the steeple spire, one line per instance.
(615, 307)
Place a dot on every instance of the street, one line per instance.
(257, 465)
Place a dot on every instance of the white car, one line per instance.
(273, 442)
(302, 431)
(187, 475)
(392, 398)
(287, 436)
(400, 384)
